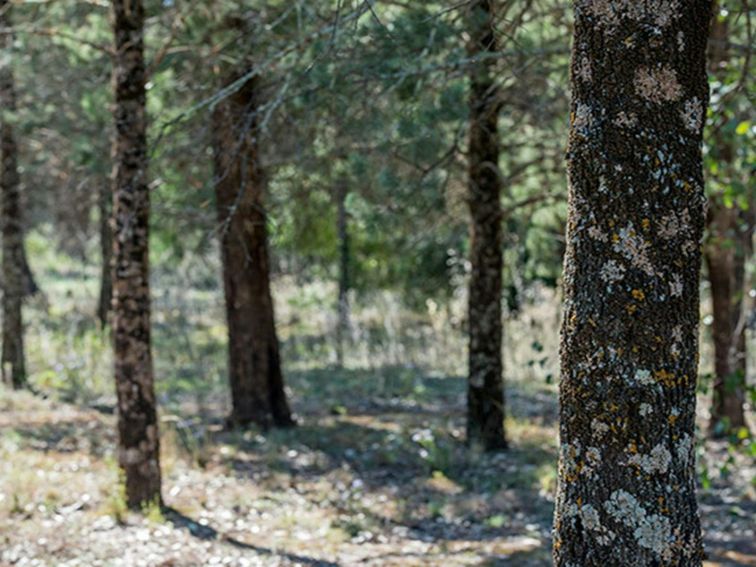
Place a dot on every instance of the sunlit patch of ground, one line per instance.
(361, 481)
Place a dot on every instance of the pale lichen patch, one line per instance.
(651, 531)
(657, 461)
(609, 13)
(624, 508)
(582, 119)
(676, 285)
(612, 271)
(684, 450)
(692, 114)
(584, 71)
(599, 428)
(676, 342)
(634, 247)
(595, 233)
(625, 119)
(645, 409)
(592, 461)
(657, 85)
(643, 377)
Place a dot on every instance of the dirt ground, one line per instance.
(360, 481)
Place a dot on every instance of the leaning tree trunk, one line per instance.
(105, 299)
(629, 351)
(485, 392)
(254, 363)
(13, 363)
(726, 252)
(138, 443)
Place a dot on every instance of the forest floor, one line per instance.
(361, 481)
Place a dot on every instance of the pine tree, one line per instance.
(138, 442)
(254, 362)
(629, 352)
(730, 234)
(485, 393)
(14, 259)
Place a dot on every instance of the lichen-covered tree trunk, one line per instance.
(727, 248)
(629, 351)
(13, 362)
(138, 440)
(485, 392)
(254, 364)
(104, 303)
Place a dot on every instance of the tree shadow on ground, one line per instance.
(208, 533)
(442, 489)
(395, 388)
(66, 436)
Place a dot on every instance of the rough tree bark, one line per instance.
(13, 262)
(138, 443)
(485, 393)
(104, 304)
(254, 364)
(629, 351)
(342, 229)
(726, 251)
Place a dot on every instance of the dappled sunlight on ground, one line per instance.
(362, 480)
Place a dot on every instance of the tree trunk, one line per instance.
(629, 351)
(725, 259)
(254, 364)
(29, 285)
(726, 252)
(342, 326)
(485, 393)
(138, 443)
(13, 363)
(104, 304)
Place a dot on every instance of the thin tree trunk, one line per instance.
(726, 268)
(29, 285)
(342, 327)
(726, 251)
(629, 350)
(104, 304)
(138, 443)
(13, 362)
(254, 364)
(485, 393)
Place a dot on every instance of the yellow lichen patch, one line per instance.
(631, 308)
(646, 224)
(665, 378)
(615, 238)
(638, 295)
(672, 419)
(632, 448)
